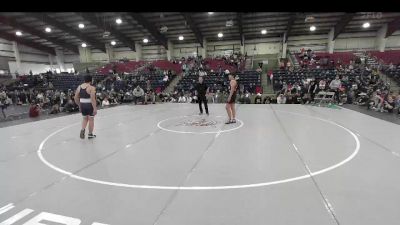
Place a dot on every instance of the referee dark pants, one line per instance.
(202, 99)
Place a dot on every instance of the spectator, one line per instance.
(55, 109)
(389, 104)
(150, 96)
(334, 86)
(165, 79)
(138, 94)
(34, 110)
(281, 99)
(258, 99)
(105, 102)
(3, 103)
(182, 98)
(70, 106)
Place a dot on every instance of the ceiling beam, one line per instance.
(61, 26)
(344, 20)
(194, 28)
(31, 44)
(393, 26)
(93, 19)
(150, 28)
(289, 26)
(240, 25)
(28, 29)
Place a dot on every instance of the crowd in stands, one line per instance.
(354, 83)
(216, 78)
(310, 59)
(54, 93)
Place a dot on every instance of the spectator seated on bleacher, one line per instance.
(105, 102)
(245, 98)
(55, 109)
(281, 99)
(182, 98)
(34, 110)
(150, 97)
(258, 99)
(138, 95)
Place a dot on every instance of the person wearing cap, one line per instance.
(85, 98)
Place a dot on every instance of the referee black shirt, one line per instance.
(201, 90)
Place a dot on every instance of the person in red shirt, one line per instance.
(34, 110)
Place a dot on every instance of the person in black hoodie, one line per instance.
(202, 90)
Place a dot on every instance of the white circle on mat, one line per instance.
(198, 188)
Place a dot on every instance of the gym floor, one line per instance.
(164, 164)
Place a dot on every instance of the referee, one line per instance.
(202, 89)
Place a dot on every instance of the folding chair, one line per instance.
(324, 97)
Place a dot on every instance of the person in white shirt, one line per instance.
(182, 99)
(165, 79)
(334, 86)
(281, 99)
(105, 102)
(138, 94)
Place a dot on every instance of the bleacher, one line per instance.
(121, 67)
(389, 56)
(213, 81)
(70, 81)
(251, 81)
(156, 81)
(343, 57)
(280, 76)
(167, 65)
(214, 64)
(394, 74)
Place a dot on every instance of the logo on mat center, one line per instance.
(198, 122)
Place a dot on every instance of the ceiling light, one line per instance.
(313, 28)
(220, 35)
(118, 21)
(366, 25)
(81, 25)
(48, 29)
(263, 31)
(210, 13)
(113, 43)
(145, 40)
(18, 33)
(84, 45)
(180, 38)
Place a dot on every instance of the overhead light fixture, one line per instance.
(210, 13)
(145, 40)
(264, 31)
(113, 43)
(18, 33)
(366, 25)
(220, 35)
(313, 28)
(118, 21)
(83, 45)
(48, 29)
(180, 38)
(81, 25)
